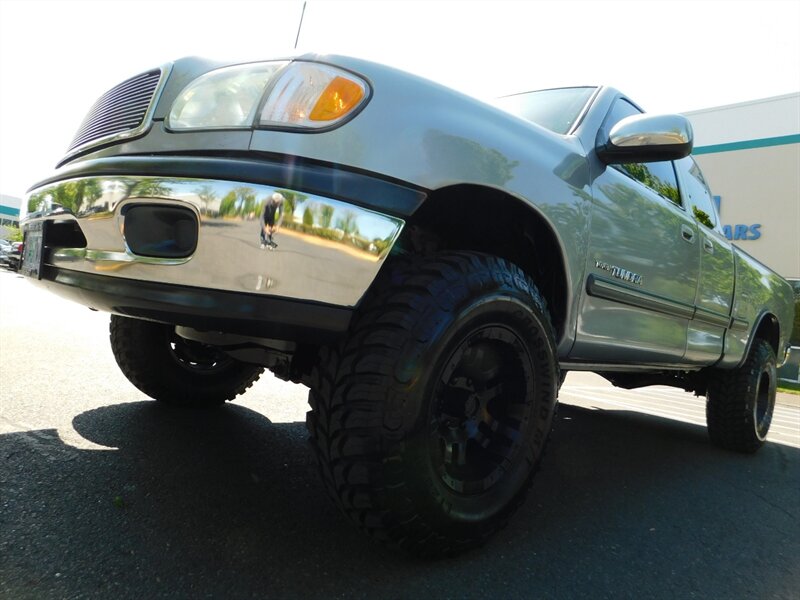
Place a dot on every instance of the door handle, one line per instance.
(687, 233)
(708, 246)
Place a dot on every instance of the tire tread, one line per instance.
(729, 410)
(146, 367)
(358, 443)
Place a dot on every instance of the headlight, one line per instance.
(299, 94)
(223, 98)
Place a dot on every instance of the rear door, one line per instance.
(706, 334)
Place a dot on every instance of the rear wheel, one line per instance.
(431, 418)
(741, 401)
(175, 370)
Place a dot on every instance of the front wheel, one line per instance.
(431, 418)
(175, 370)
(741, 401)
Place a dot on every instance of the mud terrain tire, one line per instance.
(176, 371)
(431, 418)
(741, 401)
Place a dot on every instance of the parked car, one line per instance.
(5, 250)
(428, 264)
(14, 256)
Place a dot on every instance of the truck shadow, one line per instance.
(172, 503)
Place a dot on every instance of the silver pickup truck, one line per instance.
(427, 264)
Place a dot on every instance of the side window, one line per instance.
(658, 176)
(697, 193)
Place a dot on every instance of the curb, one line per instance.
(785, 399)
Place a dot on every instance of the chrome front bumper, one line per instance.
(324, 250)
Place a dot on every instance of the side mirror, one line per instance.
(646, 138)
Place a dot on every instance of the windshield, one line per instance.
(556, 110)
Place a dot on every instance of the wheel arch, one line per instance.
(484, 219)
(768, 329)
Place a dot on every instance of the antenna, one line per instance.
(302, 14)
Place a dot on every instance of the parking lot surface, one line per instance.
(106, 494)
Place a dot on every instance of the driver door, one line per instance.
(643, 265)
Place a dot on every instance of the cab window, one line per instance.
(696, 192)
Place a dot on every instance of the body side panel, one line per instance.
(636, 230)
(759, 292)
(430, 136)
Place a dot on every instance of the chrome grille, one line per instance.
(121, 109)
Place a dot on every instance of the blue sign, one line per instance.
(739, 232)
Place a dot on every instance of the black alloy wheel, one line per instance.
(477, 425)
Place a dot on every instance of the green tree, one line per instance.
(15, 233)
(347, 223)
(149, 188)
(381, 245)
(228, 205)
(245, 200)
(37, 201)
(325, 216)
(702, 217)
(88, 190)
(640, 172)
(207, 196)
(292, 201)
(65, 196)
(308, 217)
(73, 196)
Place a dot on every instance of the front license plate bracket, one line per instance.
(32, 258)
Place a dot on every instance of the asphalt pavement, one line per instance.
(106, 494)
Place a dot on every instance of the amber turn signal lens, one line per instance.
(312, 96)
(339, 98)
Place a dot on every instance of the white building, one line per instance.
(9, 210)
(750, 156)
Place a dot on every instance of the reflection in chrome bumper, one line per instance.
(251, 238)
